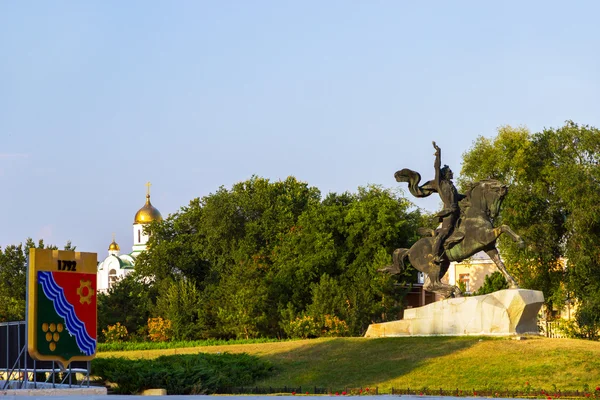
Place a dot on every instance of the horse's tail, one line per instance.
(398, 264)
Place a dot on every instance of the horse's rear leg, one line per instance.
(493, 253)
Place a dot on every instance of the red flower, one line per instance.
(360, 391)
(474, 393)
(367, 389)
(344, 393)
(527, 383)
(306, 392)
(337, 393)
(549, 398)
(293, 393)
(598, 388)
(420, 393)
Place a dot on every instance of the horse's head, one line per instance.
(487, 196)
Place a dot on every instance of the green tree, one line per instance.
(178, 303)
(492, 283)
(13, 278)
(129, 302)
(243, 308)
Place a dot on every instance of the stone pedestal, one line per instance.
(506, 312)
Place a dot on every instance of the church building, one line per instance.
(117, 265)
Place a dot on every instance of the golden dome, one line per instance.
(147, 214)
(114, 246)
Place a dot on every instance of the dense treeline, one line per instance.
(269, 259)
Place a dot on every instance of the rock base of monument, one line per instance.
(502, 313)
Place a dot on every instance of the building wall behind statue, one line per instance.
(471, 272)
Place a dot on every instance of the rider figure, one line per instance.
(442, 183)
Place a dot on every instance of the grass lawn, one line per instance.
(434, 362)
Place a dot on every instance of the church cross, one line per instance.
(148, 184)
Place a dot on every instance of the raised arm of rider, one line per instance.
(437, 165)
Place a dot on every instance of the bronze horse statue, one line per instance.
(474, 232)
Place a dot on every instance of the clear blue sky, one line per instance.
(98, 97)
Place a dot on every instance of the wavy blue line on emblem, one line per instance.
(65, 310)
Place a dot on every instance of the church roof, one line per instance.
(148, 212)
(114, 246)
(125, 264)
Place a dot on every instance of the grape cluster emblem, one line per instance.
(53, 332)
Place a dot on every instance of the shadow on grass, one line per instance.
(356, 362)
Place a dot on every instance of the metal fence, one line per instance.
(19, 371)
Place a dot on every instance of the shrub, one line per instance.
(303, 327)
(333, 326)
(588, 317)
(579, 328)
(307, 326)
(181, 374)
(115, 333)
(159, 330)
(493, 283)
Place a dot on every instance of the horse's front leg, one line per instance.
(493, 254)
(506, 229)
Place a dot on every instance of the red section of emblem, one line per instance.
(80, 292)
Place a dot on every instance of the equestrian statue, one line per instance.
(466, 227)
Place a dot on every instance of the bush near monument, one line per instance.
(492, 283)
(116, 333)
(181, 374)
(159, 329)
(305, 327)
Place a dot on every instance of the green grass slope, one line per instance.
(433, 362)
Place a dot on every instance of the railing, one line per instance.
(551, 329)
(19, 371)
